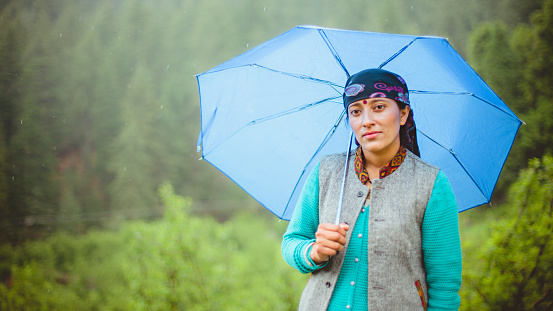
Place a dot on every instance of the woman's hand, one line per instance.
(330, 239)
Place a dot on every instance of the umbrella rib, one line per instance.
(397, 53)
(286, 112)
(294, 75)
(323, 143)
(298, 76)
(277, 115)
(333, 51)
(470, 94)
(456, 159)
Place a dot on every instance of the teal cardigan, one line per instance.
(440, 243)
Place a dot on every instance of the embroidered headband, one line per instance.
(372, 83)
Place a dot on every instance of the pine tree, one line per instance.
(137, 150)
(33, 147)
(10, 70)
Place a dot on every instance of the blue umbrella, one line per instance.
(269, 114)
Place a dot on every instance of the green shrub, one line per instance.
(180, 262)
(518, 258)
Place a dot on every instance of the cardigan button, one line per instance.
(360, 193)
(328, 284)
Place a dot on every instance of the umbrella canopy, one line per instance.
(269, 114)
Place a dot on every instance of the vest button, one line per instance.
(328, 284)
(360, 193)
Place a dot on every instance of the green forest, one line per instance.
(105, 204)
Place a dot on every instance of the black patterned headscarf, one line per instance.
(371, 83)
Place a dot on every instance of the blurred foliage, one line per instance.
(517, 261)
(181, 262)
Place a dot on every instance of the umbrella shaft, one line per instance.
(339, 210)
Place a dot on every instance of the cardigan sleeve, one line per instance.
(442, 247)
(300, 234)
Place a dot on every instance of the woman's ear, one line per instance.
(404, 114)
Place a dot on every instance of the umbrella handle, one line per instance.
(339, 210)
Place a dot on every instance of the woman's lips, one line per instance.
(371, 135)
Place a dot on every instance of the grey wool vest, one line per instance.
(395, 258)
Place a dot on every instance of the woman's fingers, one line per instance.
(332, 232)
(330, 239)
(330, 245)
(330, 236)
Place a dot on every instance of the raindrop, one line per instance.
(126, 123)
(21, 121)
(411, 7)
(264, 9)
(167, 67)
(60, 34)
(64, 121)
(124, 168)
(81, 18)
(131, 68)
(161, 107)
(13, 178)
(92, 28)
(247, 45)
(29, 221)
(55, 148)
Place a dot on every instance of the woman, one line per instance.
(397, 247)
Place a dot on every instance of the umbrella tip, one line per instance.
(199, 150)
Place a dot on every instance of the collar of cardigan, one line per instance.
(388, 169)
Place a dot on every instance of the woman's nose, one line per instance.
(368, 119)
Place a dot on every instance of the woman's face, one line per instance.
(376, 122)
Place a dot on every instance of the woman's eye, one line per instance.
(354, 112)
(378, 107)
